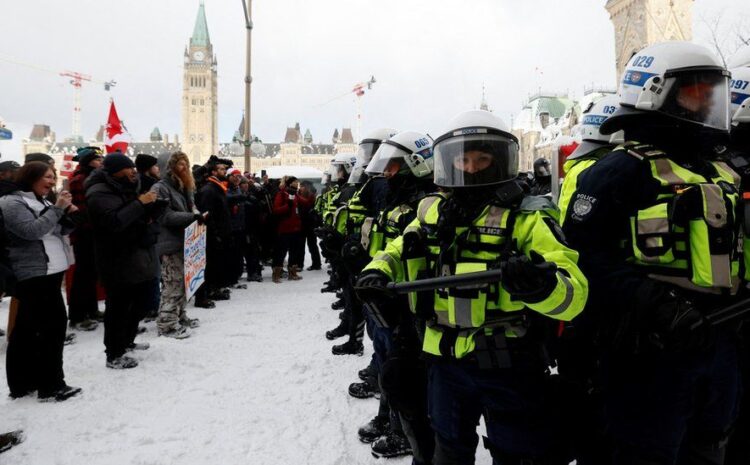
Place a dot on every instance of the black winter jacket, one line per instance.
(212, 198)
(125, 231)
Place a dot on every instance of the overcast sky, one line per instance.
(430, 59)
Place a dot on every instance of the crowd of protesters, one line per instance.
(115, 231)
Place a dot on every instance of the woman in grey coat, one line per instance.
(176, 188)
(39, 255)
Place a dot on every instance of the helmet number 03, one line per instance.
(643, 61)
(739, 85)
(609, 109)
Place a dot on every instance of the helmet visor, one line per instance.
(366, 151)
(699, 97)
(389, 160)
(475, 160)
(358, 172)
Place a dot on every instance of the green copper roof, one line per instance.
(200, 32)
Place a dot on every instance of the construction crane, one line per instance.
(359, 91)
(76, 80)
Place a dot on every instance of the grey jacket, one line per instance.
(25, 230)
(179, 214)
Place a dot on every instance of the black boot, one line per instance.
(349, 348)
(363, 390)
(392, 444)
(329, 287)
(338, 305)
(338, 331)
(367, 373)
(8, 440)
(374, 429)
(205, 303)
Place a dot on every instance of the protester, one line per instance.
(8, 170)
(83, 304)
(148, 174)
(148, 171)
(125, 236)
(286, 207)
(39, 255)
(42, 157)
(212, 199)
(237, 202)
(256, 207)
(310, 221)
(177, 189)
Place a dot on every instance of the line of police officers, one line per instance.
(611, 339)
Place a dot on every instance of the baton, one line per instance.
(459, 280)
(726, 314)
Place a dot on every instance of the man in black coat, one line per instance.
(148, 171)
(212, 199)
(125, 235)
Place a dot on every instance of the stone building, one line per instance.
(639, 23)
(200, 127)
(295, 150)
(548, 118)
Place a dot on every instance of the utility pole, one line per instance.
(248, 139)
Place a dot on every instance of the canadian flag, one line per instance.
(68, 165)
(117, 138)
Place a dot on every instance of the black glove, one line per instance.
(199, 218)
(372, 291)
(676, 325)
(529, 280)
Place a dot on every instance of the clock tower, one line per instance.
(200, 132)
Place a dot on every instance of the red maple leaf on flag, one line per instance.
(117, 138)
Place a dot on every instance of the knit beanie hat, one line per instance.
(144, 162)
(86, 155)
(43, 157)
(116, 161)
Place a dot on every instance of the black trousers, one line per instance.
(252, 255)
(35, 349)
(312, 246)
(294, 243)
(238, 257)
(124, 311)
(83, 302)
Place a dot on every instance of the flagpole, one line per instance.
(248, 139)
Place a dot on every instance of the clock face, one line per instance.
(198, 56)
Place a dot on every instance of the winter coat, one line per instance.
(125, 232)
(212, 198)
(179, 214)
(288, 211)
(146, 183)
(76, 187)
(34, 231)
(237, 201)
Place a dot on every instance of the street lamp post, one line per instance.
(247, 7)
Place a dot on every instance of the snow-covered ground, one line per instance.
(255, 384)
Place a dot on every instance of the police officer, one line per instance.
(542, 184)
(348, 223)
(485, 342)
(594, 146)
(656, 224)
(738, 157)
(575, 352)
(340, 170)
(405, 162)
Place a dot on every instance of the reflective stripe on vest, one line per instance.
(699, 251)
